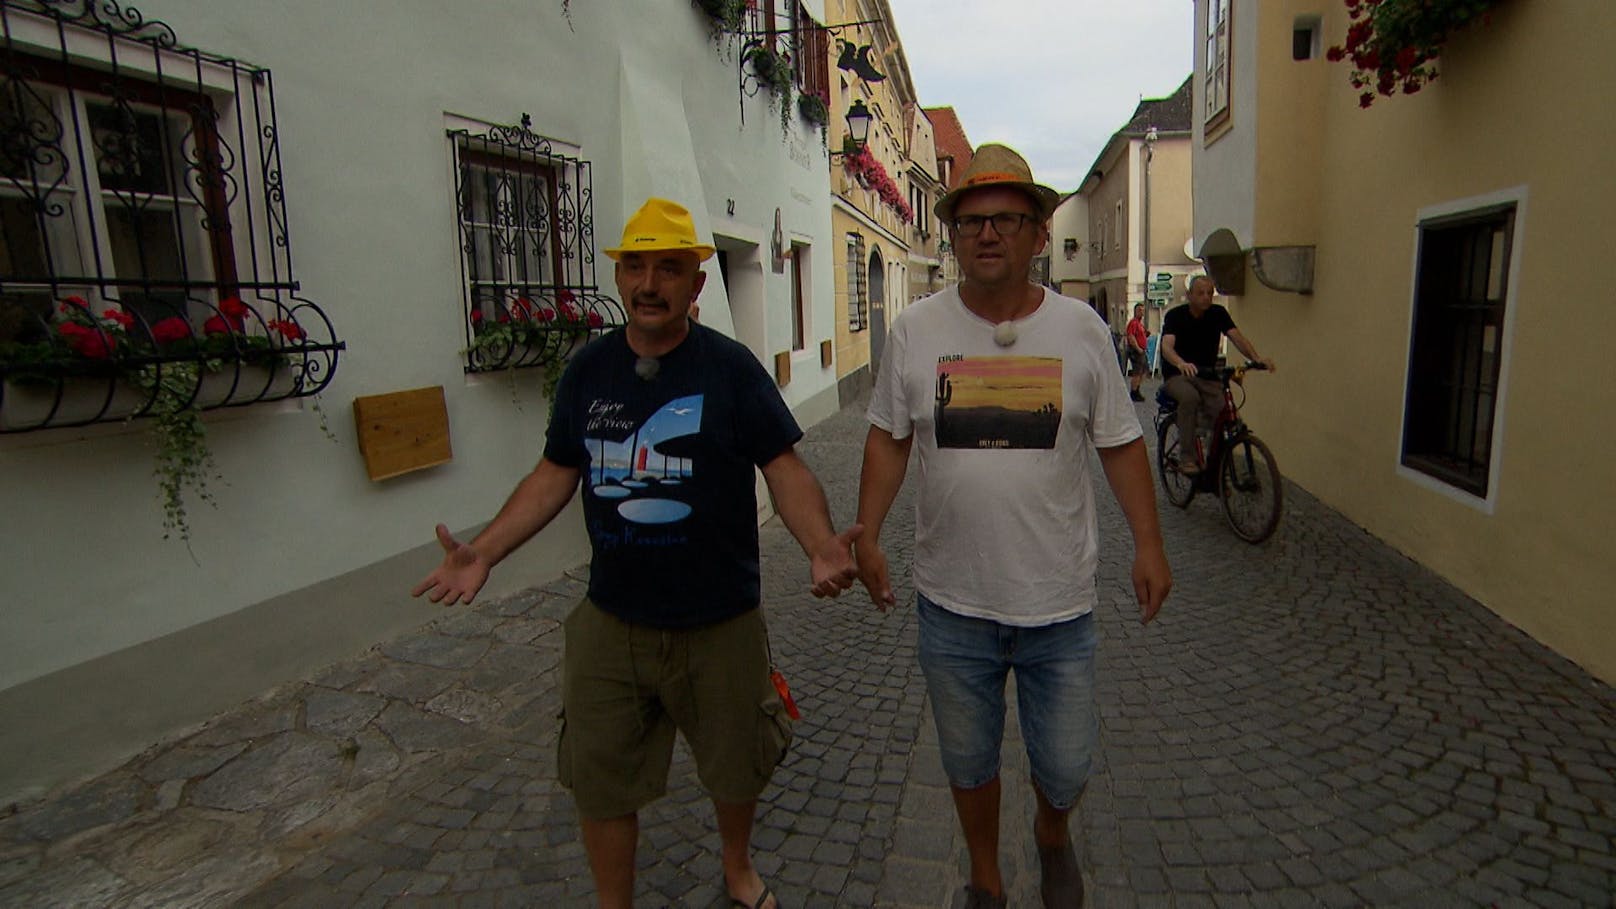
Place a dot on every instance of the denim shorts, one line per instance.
(966, 661)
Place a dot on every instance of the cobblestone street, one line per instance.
(1312, 721)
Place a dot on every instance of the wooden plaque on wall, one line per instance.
(403, 431)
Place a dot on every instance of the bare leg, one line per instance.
(610, 844)
(978, 811)
(735, 833)
(1050, 827)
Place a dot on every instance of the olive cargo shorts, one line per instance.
(625, 690)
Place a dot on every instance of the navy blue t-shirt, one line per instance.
(667, 468)
(1195, 340)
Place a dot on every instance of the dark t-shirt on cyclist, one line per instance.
(1195, 340)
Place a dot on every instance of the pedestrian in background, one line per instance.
(670, 636)
(1138, 341)
(1007, 387)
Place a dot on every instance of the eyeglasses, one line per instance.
(1005, 223)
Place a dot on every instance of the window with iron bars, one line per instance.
(858, 306)
(1451, 401)
(142, 224)
(525, 215)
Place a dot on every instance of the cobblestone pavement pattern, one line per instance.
(1316, 721)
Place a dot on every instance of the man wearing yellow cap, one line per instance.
(664, 422)
(1007, 387)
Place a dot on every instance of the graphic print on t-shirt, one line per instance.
(997, 402)
(643, 461)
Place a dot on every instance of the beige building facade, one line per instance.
(1138, 202)
(1421, 271)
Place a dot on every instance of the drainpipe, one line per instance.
(1150, 152)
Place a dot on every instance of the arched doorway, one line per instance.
(878, 309)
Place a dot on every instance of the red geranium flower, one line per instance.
(288, 329)
(215, 325)
(170, 330)
(87, 342)
(120, 317)
(547, 314)
(595, 321)
(71, 303)
(234, 311)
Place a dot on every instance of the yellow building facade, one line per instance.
(870, 235)
(1426, 271)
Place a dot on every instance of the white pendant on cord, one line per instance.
(1004, 334)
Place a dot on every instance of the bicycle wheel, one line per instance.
(1179, 488)
(1248, 481)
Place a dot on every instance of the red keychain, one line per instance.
(785, 693)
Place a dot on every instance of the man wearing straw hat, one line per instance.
(663, 422)
(1007, 387)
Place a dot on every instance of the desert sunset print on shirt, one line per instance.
(998, 402)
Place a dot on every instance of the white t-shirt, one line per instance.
(1004, 519)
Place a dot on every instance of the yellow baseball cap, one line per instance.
(660, 225)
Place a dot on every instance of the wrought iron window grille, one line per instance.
(525, 215)
(143, 226)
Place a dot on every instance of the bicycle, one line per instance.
(1239, 467)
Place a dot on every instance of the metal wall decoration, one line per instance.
(143, 225)
(525, 212)
(856, 60)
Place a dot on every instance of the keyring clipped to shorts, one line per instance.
(780, 686)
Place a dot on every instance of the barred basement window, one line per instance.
(527, 253)
(1452, 397)
(142, 224)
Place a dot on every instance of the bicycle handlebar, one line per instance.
(1225, 373)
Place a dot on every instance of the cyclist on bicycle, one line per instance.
(1189, 345)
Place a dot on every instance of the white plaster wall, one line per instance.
(362, 90)
(1226, 172)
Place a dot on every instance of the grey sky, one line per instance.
(1052, 79)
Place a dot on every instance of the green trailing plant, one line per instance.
(773, 72)
(728, 16)
(184, 463)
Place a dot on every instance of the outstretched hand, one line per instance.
(832, 566)
(458, 578)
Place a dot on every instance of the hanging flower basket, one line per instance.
(813, 108)
(1394, 44)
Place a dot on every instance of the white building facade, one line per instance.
(371, 165)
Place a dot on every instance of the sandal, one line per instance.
(762, 899)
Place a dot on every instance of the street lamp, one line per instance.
(859, 119)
